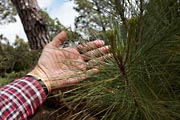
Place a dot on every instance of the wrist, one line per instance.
(40, 75)
(41, 82)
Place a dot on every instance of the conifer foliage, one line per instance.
(141, 81)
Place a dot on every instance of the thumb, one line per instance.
(59, 39)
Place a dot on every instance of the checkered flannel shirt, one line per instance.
(20, 99)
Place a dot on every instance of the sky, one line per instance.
(61, 9)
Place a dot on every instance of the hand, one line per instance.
(59, 67)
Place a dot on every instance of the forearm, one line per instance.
(21, 98)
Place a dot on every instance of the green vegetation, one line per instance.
(141, 81)
(7, 12)
(15, 60)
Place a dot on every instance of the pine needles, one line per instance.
(141, 81)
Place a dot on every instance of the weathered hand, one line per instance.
(59, 67)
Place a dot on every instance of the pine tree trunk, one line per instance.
(33, 23)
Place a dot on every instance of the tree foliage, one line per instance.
(15, 60)
(93, 15)
(141, 81)
(7, 12)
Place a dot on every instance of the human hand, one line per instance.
(59, 67)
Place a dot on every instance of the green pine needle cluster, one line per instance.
(142, 79)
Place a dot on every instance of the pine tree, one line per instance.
(141, 81)
(33, 23)
(92, 15)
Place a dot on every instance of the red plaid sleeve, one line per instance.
(20, 99)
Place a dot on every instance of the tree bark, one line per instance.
(33, 23)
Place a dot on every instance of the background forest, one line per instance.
(140, 82)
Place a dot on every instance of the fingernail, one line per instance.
(101, 42)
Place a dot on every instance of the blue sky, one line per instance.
(55, 4)
(61, 9)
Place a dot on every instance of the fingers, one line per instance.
(96, 53)
(98, 61)
(59, 39)
(78, 76)
(84, 47)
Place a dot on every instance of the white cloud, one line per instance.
(44, 3)
(12, 29)
(65, 13)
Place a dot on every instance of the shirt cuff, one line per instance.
(21, 98)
